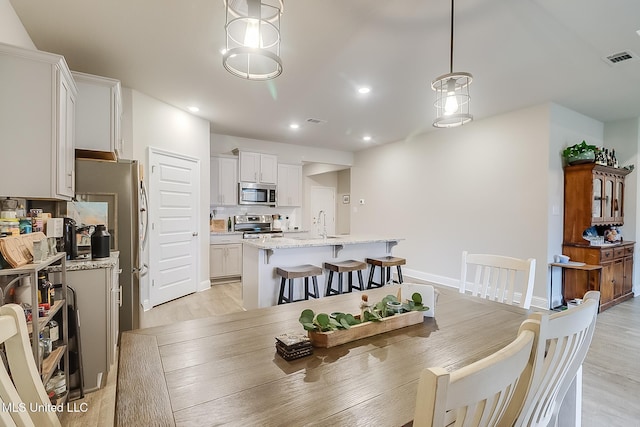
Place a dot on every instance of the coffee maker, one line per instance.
(69, 244)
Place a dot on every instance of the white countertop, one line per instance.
(303, 242)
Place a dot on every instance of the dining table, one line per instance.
(224, 370)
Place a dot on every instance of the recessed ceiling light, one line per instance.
(294, 126)
(366, 138)
(193, 109)
(364, 89)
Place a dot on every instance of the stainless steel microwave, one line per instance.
(250, 193)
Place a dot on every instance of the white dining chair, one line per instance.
(498, 278)
(477, 394)
(562, 345)
(23, 392)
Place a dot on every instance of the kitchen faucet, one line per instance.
(323, 214)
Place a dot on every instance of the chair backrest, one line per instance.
(477, 394)
(561, 348)
(22, 393)
(498, 278)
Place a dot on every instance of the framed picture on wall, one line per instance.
(346, 199)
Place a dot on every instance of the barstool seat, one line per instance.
(344, 267)
(298, 272)
(385, 263)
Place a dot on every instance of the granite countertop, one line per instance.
(89, 264)
(303, 242)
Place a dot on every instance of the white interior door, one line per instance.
(322, 199)
(174, 203)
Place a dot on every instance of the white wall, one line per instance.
(624, 137)
(481, 187)
(155, 124)
(566, 128)
(11, 29)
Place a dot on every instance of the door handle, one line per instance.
(194, 234)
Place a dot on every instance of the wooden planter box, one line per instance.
(364, 330)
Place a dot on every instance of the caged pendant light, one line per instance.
(452, 94)
(253, 38)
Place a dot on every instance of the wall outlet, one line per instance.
(361, 201)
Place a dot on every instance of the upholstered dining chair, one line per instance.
(562, 345)
(477, 394)
(499, 278)
(23, 392)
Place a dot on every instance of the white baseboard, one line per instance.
(203, 285)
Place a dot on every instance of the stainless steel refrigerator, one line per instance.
(119, 184)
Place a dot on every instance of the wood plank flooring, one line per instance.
(611, 382)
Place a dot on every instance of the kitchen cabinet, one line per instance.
(27, 275)
(98, 117)
(98, 300)
(289, 185)
(258, 167)
(37, 124)
(616, 280)
(225, 260)
(594, 196)
(224, 181)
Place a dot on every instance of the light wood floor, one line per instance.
(222, 298)
(611, 381)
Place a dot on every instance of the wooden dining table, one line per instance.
(225, 370)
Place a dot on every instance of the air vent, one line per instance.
(620, 58)
(316, 121)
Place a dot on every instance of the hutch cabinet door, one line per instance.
(609, 197)
(598, 199)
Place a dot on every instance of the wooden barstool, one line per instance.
(298, 272)
(344, 267)
(384, 263)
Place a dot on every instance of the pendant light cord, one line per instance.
(451, 53)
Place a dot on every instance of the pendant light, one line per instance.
(253, 38)
(452, 94)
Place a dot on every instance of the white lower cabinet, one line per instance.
(225, 260)
(98, 302)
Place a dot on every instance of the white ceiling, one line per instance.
(521, 53)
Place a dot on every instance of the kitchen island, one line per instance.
(261, 257)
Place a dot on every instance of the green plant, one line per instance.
(324, 322)
(577, 149)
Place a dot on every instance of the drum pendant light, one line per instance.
(452, 93)
(253, 38)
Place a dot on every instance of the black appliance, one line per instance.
(69, 244)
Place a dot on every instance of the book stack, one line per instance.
(293, 346)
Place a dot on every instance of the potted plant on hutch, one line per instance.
(580, 153)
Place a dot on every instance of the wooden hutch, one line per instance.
(594, 197)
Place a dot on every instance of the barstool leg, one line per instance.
(371, 271)
(290, 290)
(350, 281)
(340, 283)
(306, 288)
(360, 280)
(328, 291)
(383, 280)
(281, 295)
(400, 275)
(316, 294)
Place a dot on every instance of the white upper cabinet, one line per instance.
(224, 181)
(98, 116)
(258, 167)
(37, 124)
(289, 185)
